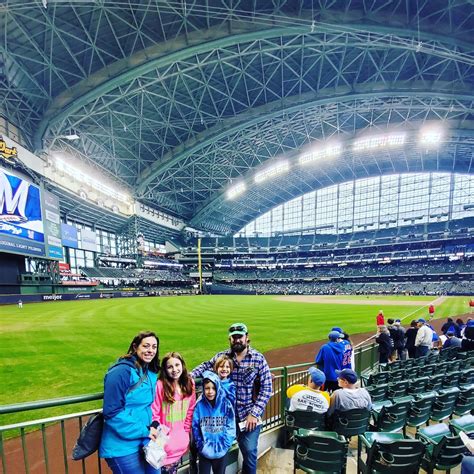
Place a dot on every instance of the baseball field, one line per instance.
(58, 349)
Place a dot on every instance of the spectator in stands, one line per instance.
(223, 367)
(424, 339)
(394, 335)
(348, 354)
(129, 388)
(309, 397)
(449, 325)
(253, 387)
(461, 326)
(213, 426)
(380, 319)
(451, 340)
(350, 396)
(173, 407)
(467, 343)
(436, 342)
(329, 359)
(410, 337)
(399, 339)
(348, 349)
(385, 343)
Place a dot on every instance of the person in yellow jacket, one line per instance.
(309, 397)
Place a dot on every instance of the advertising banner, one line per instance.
(88, 240)
(69, 236)
(21, 222)
(52, 224)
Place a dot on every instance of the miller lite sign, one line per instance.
(9, 154)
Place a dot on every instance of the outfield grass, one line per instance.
(64, 348)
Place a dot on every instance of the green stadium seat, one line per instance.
(378, 378)
(396, 375)
(418, 386)
(451, 379)
(377, 392)
(443, 450)
(411, 372)
(350, 422)
(464, 423)
(389, 453)
(420, 410)
(397, 389)
(295, 420)
(465, 401)
(444, 404)
(466, 377)
(396, 365)
(320, 451)
(435, 382)
(430, 369)
(392, 417)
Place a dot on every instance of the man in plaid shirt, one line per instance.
(253, 388)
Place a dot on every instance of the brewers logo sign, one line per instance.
(9, 154)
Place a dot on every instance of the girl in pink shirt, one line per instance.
(173, 407)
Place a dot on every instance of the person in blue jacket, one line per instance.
(129, 390)
(329, 359)
(213, 426)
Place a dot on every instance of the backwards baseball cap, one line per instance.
(317, 376)
(238, 329)
(337, 329)
(347, 374)
(422, 320)
(333, 335)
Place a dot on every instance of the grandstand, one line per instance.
(304, 147)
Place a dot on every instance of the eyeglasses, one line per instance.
(237, 328)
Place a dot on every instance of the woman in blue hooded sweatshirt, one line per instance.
(213, 426)
(129, 390)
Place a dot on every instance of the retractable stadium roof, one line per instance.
(179, 101)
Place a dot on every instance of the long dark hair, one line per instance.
(185, 382)
(154, 365)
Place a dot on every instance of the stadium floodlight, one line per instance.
(431, 136)
(379, 141)
(236, 190)
(89, 181)
(271, 171)
(72, 136)
(327, 151)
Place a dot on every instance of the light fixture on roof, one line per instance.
(327, 151)
(379, 141)
(236, 190)
(431, 136)
(70, 136)
(271, 171)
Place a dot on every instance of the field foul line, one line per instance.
(437, 300)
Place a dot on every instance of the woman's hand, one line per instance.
(153, 434)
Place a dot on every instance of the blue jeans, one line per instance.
(467, 465)
(422, 351)
(217, 466)
(248, 444)
(131, 464)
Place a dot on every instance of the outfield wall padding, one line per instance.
(39, 298)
